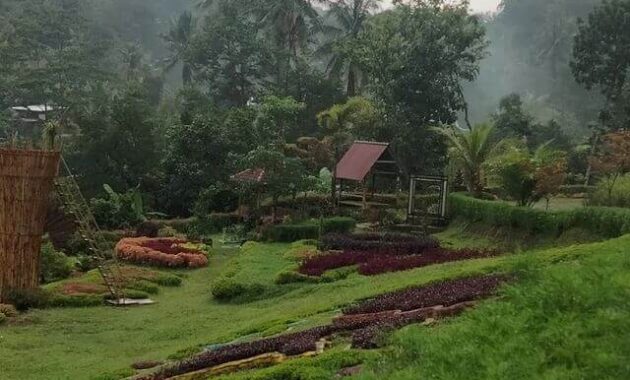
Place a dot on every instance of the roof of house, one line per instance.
(249, 175)
(359, 160)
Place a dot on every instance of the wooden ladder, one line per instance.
(75, 205)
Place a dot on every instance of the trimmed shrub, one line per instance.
(309, 230)
(292, 232)
(290, 277)
(55, 265)
(83, 300)
(168, 280)
(24, 299)
(148, 228)
(228, 290)
(144, 286)
(606, 221)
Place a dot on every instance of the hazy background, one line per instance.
(476, 5)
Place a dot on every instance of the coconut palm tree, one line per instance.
(469, 150)
(350, 17)
(178, 40)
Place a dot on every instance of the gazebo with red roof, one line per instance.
(364, 161)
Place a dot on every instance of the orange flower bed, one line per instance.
(163, 252)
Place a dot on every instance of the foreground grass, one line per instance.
(87, 343)
(565, 321)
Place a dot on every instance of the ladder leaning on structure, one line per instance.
(76, 206)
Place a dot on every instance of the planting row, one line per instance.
(374, 262)
(366, 321)
(289, 344)
(444, 293)
(393, 244)
(163, 252)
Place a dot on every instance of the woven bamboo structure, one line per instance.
(26, 181)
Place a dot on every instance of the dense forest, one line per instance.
(171, 98)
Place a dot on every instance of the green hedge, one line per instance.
(309, 230)
(605, 221)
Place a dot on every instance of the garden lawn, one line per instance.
(90, 342)
(564, 321)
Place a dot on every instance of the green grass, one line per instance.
(564, 321)
(88, 342)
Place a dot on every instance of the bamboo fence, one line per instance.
(26, 181)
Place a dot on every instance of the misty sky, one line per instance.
(476, 5)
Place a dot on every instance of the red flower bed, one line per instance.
(288, 344)
(164, 252)
(392, 244)
(444, 293)
(390, 263)
(373, 263)
(388, 311)
(319, 264)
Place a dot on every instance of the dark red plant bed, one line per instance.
(392, 244)
(289, 344)
(318, 265)
(373, 263)
(444, 293)
(389, 263)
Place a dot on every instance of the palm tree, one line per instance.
(350, 15)
(469, 150)
(178, 39)
(292, 24)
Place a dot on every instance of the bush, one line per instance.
(310, 229)
(144, 286)
(83, 300)
(8, 310)
(24, 299)
(149, 229)
(55, 265)
(227, 290)
(168, 280)
(573, 190)
(216, 222)
(603, 221)
(610, 194)
(290, 277)
(3, 318)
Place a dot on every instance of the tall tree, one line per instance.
(178, 40)
(349, 19)
(416, 58)
(601, 58)
(230, 54)
(291, 25)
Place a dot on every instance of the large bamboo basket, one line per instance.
(26, 181)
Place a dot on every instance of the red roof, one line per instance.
(359, 159)
(249, 175)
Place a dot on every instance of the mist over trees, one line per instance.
(531, 46)
(170, 96)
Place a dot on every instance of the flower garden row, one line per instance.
(162, 252)
(366, 321)
(376, 254)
